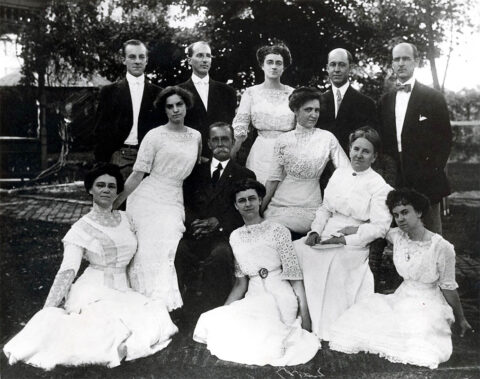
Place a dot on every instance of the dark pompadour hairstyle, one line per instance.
(408, 196)
(102, 169)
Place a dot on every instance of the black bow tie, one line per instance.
(404, 87)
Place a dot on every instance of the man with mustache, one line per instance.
(210, 217)
(212, 101)
(416, 132)
(125, 111)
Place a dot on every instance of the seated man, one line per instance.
(210, 217)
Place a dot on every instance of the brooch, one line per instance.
(263, 272)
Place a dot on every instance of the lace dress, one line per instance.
(104, 320)
(262, 328)
(336, 277)
(298, 163)
(268, 111)
(156, 207)
(411, 325)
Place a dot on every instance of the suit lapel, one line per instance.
(411, 115)
(330, 106)
(345, 104)
(125, 100)
(212, 89)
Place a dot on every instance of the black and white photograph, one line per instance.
(239, 189)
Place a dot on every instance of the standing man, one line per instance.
(213, 101)
(343, 108)
(210, 217)
(416, 132)
(125, 111)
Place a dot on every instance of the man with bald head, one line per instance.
(416, 132)
(343, 108)
(212, 101)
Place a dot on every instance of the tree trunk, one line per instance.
(42, 119)
(431, 45)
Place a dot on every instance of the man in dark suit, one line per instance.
(125, 111)
(213, 101)
(210, 218)
(416, 132)
(343, 109)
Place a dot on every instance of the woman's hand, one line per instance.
(349, 230)
(334, 240)
(464, 326)
(312, 239)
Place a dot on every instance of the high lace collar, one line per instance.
(105, 216)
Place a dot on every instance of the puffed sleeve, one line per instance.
(337, 155)
(277, 171)
(290, 266)
(379, 217)
(242, 119)
(146, 154)
(446, 266)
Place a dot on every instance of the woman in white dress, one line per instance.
(293, 187)
(168, 153)
(103, 320)
(258, 323)
(334, 255)
(265, 106)
(411, 325)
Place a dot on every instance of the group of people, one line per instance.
(283, 243)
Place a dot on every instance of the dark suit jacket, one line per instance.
(202, 200)
(356, 110)
(426, 140)
(222, 102)
(114, 117)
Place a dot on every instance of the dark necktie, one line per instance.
(404, 87)
(216, 174)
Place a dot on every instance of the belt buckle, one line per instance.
(263, 273)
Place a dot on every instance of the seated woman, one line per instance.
(411, 325)
(103, 320)
(293, 188)
(258, 323)
(334, 255)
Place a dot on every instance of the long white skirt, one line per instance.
(156, 208)
(99, 326)
(334, 280)
(260, 329)
(410, 326)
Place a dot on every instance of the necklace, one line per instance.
(407, 253)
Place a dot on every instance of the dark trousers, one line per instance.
(212, 259)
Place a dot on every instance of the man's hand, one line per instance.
(204, 227)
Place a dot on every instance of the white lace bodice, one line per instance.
(304, 155)
(427, 262)
(266, 109)
(266, 245)
(168, 155)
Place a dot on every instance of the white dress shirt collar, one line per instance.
(198, 80)
(342, 89)
(135, 79)
(214, 163)
(410, 81)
